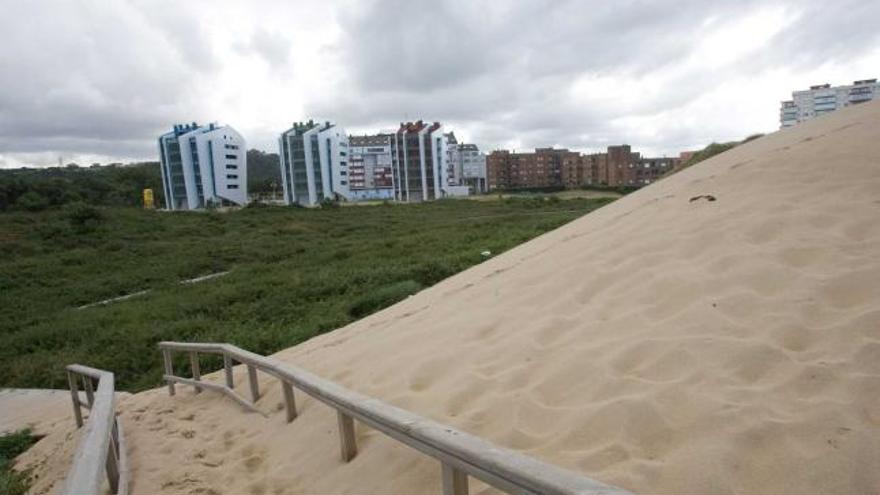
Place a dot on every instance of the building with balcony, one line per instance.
(370, 167)
(419, 157)
(203, 166)
(823, 98)
(314, 163)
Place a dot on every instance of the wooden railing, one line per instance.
(102, 444)
(460, 454)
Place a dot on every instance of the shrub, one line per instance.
(383, 297)
(328, 203)
(32, 201)
(83, 216)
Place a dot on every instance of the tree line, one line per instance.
(35, 189)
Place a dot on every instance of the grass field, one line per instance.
(566, 194)
(293, 273)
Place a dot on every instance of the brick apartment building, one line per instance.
(549, 167)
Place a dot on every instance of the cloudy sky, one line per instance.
(99, 80)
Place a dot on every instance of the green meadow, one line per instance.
(293, 273)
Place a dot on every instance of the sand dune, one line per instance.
(664, 345)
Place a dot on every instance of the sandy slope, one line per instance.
(665, 345)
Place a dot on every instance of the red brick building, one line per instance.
(548, 167)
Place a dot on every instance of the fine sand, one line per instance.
(39, 410)
(662, 344)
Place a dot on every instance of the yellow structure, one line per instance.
(148, 199)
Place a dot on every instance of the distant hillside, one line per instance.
(35, 189)
(110, 185)
(264, 171)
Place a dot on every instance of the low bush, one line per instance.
(383, 297)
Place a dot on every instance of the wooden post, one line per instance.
(169, 370)
(346, 436)
(74, 396)
(289, 401)
(255, 386)
(227, 365)
(90, 390)
(455, 481)
(112, 466)
(196, 369)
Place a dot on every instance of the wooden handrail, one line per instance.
(460, 454)
(102, 444)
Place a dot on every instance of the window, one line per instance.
(231, 176)
(343, 172)
(232, 186)
(230, 166)
(231, 146)
(231, 157)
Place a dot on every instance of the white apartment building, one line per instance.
(314, 163)
(202, 166)
(471, 164)
(370, 167)
(419, 154)
(821, 99)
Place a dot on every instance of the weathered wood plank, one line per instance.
(169, 369)
(112, 466)
(196, 369)
(227, 367)
(91, 457)
(218, 388)
(455, 481)
(289, 401)
(90, 390)
(123, 459)
(74, 396)
(255, 385)
(347, 442)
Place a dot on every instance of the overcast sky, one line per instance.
(100, 80)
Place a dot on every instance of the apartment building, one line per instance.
(466, 165)
(541, 168)
(314, 163)
(472, 164)
(821, 99)
(419, 152)
(203, 166)
(549, 168)
(370, 167)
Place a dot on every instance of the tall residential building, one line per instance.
(419, 154)
(202, 166)
(821, 99)
(370, 171)
(314, 163)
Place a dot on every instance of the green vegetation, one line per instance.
(264, 172)
(294, 273)
(29, 189)
(11, 446)
(715, 148)
(112, 185)
(622, 190)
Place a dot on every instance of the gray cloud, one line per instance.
(91, 77)
(104, 79)
(272, 46)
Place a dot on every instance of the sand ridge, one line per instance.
(660, 344)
